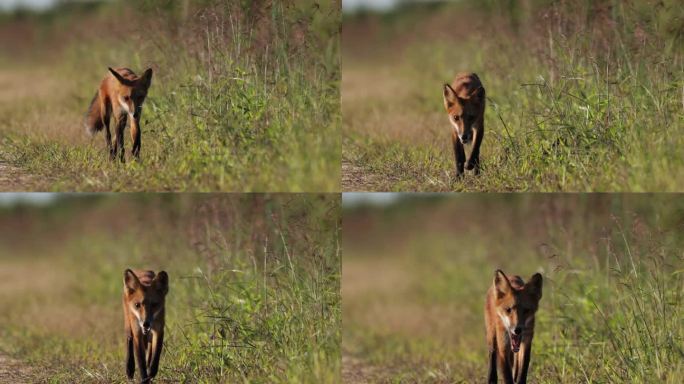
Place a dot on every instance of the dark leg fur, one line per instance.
(459, 154)
(157, 348)
(119, 143)
(504, 364)
(148, 351)
(140, 357)
(492, 377)
(525, 363)
(516, 366)
(130, 360)
(135, 138)
(474, 160)
(108, 135)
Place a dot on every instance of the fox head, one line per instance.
(133, 91)
(463, 108)
(516, 304)
(145, 301)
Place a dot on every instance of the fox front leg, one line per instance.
(505, 368)
(504, 360)
(135, 136)
(524, 362)
(474, 160)
(459, 154)
(157, 344)
(130, 357)
(491, 376)
(121, 125)
(139, 342)
(106, 117)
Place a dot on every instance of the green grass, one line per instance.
(245, 97)
(611, 310)
(254, 286)
(581, 96)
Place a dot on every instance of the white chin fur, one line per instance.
(125, 106)
(505, 321)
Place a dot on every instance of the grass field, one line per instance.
(244, 97)
(416, 272)
(581, 95)
(254, 286)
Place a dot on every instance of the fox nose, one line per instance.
(146, 325)
(517, 331)
(465, 139)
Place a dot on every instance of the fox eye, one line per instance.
(457, 118)
(137, 305)
(509, 309)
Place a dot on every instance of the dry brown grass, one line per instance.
(38, 103)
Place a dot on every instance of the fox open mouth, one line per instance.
(515, 342)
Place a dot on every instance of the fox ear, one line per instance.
(477, 93)
(146, 78)
(161, 281)
(131, 282)
(535, 285)
(450, 97)
(119, 77)
(503, 286)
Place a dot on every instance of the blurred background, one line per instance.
(254, 285)
(244, 96)
(14, 5)
(567, 82)
(417, 267)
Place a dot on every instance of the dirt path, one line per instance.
(15, 372)
(358, 179)
(356, 371)
(14, 179)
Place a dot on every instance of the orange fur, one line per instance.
(509, 320)
(464, 101)
(121, 95)
(144, 299)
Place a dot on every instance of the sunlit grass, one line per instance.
(571, 105)
(254, 287)
(612, 297)
(236, 104)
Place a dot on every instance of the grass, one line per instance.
(254, 286)
(611, 310)
(581, 96)
(245, 95)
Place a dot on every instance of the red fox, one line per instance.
(464, 101)
(509, 318)
(121, 95)
(144, 304)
